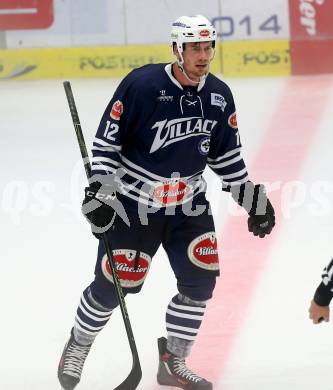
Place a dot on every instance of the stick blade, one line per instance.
(133, 379)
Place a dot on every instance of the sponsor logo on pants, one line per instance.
(203, 252)
(125, 260)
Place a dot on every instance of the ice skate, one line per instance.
(172, 371)
(71, 363)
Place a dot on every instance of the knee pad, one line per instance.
(104, 294)
(197, 289)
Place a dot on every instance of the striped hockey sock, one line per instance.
(91, 317)
(183, 320)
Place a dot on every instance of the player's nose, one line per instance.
(203, 55)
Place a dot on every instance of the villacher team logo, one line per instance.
(176, 130)
(203, 252)
(117, 110)
(124, 260)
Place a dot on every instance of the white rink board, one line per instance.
(120, 22)
(254, 19)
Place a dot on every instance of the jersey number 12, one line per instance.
(110, 131)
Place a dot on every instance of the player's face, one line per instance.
(197, 57)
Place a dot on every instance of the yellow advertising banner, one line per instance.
(233, 59)
(29, 64)
(256, 58)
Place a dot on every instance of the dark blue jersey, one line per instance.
(163, 135)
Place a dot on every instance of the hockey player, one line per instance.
(319, 309)
(164, 124)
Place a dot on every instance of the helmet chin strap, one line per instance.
(181, 67)
(180, 64)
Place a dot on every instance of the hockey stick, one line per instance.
(133, 379)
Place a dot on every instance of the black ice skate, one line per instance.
(71, 363)
(172, 371)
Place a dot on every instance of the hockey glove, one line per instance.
(323, 295)
(261, 213)
(100, 207)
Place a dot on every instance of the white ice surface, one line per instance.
(48, 253)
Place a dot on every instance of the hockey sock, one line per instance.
(183, 320)
(91, 317)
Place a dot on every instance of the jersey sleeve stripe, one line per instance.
(236, 174)
(225, 155)
(238, 181)
(98, 159)
(327, 274)
(226, 163)
(108, 149)
(99, 168)
(101, 142)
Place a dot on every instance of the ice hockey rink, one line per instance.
(256, 334)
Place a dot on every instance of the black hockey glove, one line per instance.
(261, 213)
(100, 207)
(323, 295)
(260, 225)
